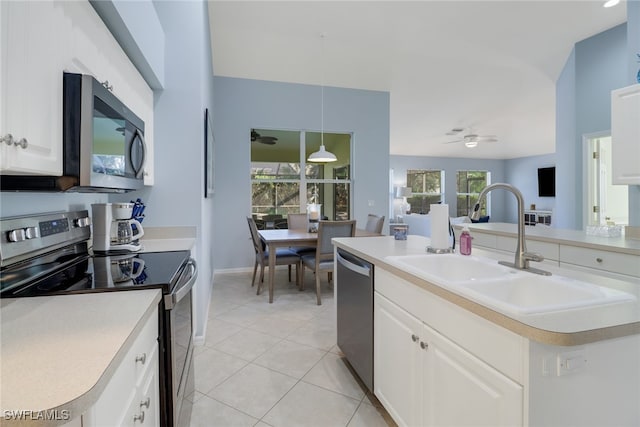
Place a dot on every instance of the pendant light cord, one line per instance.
(322, 91)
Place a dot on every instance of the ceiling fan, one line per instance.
(471, 139)
(256, 137)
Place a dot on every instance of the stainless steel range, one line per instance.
(48, 254)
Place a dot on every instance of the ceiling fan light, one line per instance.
(471, 144)
(611, 3)
(322, 156)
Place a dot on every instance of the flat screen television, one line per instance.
(547, 182)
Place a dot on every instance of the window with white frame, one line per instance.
(469, 184)
(282, 181)
(427, 188)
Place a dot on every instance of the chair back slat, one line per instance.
(327, 230)
(297, 221)
(280, 224)
(374, 223)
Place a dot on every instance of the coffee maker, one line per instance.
(113, 229)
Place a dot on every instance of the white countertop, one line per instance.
(59, 352)
(165, 239)
(558, 235)
(569, 327)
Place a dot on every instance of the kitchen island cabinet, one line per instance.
(616, 256)
(89, 359)
(485, 366)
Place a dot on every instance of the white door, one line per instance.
(461, 390)
(606, 202)
(397, 361)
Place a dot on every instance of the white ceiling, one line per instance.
(491, 65)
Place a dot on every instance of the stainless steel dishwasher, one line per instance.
(355, 313)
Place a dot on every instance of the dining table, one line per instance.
(287, 237)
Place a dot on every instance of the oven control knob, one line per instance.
(17, 235)
(31, 232)
(83, 222)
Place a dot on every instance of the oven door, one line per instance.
(179, 307)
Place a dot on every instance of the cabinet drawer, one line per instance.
(601, 260)
(484, 239)
(550, 251)
(121, 388)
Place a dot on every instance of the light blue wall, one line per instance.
(242, 104)
(523, 174)
(176, 199)
(566, 210)
(499, 199)
(633, 49)
(596, 67)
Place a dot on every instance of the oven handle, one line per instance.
(185, 283)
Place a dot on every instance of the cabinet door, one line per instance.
(396, 361)
(461, 390)
(33, 52)
(625, 135)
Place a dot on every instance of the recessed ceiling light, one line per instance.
(611, 3)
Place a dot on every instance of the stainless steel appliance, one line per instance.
(354, 301)
(113, 229)
(103, 143)
(48, 255)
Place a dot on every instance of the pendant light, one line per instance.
(322, 155)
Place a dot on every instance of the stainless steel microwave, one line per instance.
(103, 143)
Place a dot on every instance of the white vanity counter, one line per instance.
(569, 327)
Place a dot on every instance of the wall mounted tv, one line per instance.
(547, 182)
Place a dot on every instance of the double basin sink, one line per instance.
(510, 290)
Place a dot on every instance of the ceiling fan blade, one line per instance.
(454, 141)
(269, 140)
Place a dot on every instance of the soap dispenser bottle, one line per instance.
(465, 241)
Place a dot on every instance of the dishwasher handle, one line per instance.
(359, 269)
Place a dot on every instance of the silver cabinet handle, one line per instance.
(415, 338)
(599, 260)
(8, 138)
(21, 143)
(141, 358)
(145, 402)
(139, 417)
(424, 345)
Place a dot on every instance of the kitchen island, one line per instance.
(437, 350)
(60, 353)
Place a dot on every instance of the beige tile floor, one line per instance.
(276, 364)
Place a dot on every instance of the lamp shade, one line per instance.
(322, 156)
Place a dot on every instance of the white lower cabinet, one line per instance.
(424, 379)
(131, 398)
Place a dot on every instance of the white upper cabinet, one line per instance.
(33, 54)
(625, 135)
(40, 40)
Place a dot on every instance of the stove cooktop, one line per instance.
(97, 273)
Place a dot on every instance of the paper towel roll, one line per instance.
(439, 226)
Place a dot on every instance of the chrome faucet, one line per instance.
(522, 257)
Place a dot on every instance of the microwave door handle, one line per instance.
(139, 172)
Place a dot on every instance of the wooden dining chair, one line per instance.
(299, 221)
(280, 223)
(322, 259)
(283, 257)
(374, 223)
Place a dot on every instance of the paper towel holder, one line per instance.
(433, 250)
(450, 250)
